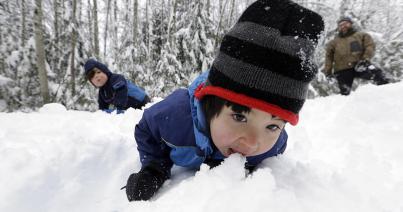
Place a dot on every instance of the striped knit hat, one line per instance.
(265, 60)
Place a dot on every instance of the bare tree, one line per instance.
(172, 23)
(73, 49)
(96, 33)
(90, 25)
(231, 13)
(148, 25)
(221, 8)
(2, 65)
(24, 23)
(106, 26)
(56, 21)
(40, 52)
(135, 21)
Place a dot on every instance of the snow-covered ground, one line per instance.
(346, 154)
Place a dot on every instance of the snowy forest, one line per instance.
(160, 45)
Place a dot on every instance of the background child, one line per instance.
(257, 83)
(115, 92)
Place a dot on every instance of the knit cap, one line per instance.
(348, 19)
(266, 60)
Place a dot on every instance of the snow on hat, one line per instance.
(265, 60)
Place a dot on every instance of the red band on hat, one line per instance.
(242, 99)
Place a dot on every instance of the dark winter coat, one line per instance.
(343, 52)
(117, 92)
(173, 131)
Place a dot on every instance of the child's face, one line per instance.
(99, 79)
(248, 134)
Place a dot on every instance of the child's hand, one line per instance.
(108, 110)
(144, 184)
(213, 162)
(118, 111)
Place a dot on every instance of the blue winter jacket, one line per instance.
(173, 131)
(117, 91)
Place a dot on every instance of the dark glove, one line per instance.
(144, 184)
(213, 162)
(108, 110)
(249, 168)
(328, 74)
(362, 65)
(120, 111)
(330, 77)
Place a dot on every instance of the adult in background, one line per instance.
(348, 57)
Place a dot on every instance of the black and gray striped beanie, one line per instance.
(266, 60)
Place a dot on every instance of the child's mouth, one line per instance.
(232, 151)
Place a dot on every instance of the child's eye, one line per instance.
(273, 127)
(239, 117)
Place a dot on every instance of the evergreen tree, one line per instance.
(195, 39)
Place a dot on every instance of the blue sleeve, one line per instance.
(150, 145)
(119, 87)
(135, 92)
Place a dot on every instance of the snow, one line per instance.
(344, 155)
(4, 80)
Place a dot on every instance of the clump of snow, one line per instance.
(52, 108)
(344, 155)
(4, 80)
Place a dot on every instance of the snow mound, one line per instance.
(52, 108)
(344, 155)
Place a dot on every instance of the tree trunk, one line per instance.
(162, 32)
(90, 24)
(172, 23)
(208, 7)
(2, 65)
(135, 32)
(73, 50)
(222, 7)
(96, 34)
(231, 14)
(106, 26)
(56, 21)
(24, 23)
(149, 29)
(40, 52)
(135, 22)
(127, 4)
(115, 28)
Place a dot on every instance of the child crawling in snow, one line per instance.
(257, 83)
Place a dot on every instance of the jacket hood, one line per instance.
(199, 122)
(91, 63)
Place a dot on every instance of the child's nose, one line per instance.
(248, 145)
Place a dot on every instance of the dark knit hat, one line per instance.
(348, 19)
(265, 60)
